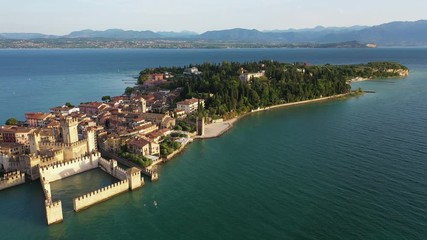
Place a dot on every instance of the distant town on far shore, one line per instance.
(389, 34)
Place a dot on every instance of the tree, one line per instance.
(129, 90)
(142, 78)
(68, 104)
(106, 98)
(12, 121)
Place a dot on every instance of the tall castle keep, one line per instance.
(69, 130)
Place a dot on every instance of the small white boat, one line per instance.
(155, 203)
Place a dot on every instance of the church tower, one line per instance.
(142, 106)
(69, 130)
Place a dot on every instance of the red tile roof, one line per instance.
(37, 115)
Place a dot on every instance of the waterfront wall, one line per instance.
(53, 212)
(54, 172)
(87, 200)
(135, 180)
(154, 176)
(111, 168)
(12, 179)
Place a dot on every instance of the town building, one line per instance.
(64, 110)
(190, 105)
(192, 71)
(93, 108)
(247, 77)
(37, 119)
(156, 77)
(8, 133)
(143, 146)
(22, 135)
(110, 142)
(10, 148)
(162, 120)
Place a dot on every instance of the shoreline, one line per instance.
(215, 130)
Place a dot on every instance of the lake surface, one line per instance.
(344, 169)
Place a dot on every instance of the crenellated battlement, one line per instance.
(69, 121)
(67, 163)
(59, 170)
(53, 145)
(53, 211)
(62, 145)
(110, 167)
(47, 160)
(130, 180)
(52, 204)
(12, 179)
(104, 189)
(9, 174)
(121, 170)
(104, 162)
(100, 195)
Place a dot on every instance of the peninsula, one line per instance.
(154, 120)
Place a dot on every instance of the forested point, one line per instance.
(226, 91)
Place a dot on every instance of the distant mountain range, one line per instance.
(107, 34)
(388, 34)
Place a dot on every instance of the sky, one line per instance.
(61, 17)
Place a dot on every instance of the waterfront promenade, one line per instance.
(217, 129)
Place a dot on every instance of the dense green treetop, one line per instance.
(224, 92)
(106, 98)
(11, 121)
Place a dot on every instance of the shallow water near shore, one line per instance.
(351, 168)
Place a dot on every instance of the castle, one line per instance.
(43, 151)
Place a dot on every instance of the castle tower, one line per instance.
(200, 126)
(69, 130)
(142, 106)
(34, 139)
(91, 139)
(134, 177)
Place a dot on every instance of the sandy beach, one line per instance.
(214, 130)
(359, 79)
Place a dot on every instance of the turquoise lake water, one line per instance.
(343, 169)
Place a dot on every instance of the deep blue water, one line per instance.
(344, 169)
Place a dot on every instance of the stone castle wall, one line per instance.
(46, 161)
(12, 179)
(53, 212)
(87, 200)
(54, 172)
(135, 180)
(53, 209)
(103, 163)
(121, 173)
(70, 151)
(59, 145)
(113, 170)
